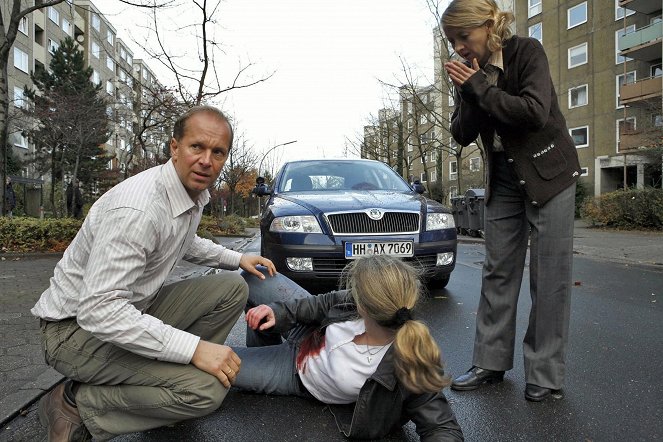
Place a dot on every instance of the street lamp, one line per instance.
(271, 149)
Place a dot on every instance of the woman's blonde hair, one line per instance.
(474, 13)
(387, 289)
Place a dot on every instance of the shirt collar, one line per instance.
(180, 201)
(497, 60)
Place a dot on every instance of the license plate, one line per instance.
(394, 248)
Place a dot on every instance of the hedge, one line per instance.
(20, 234)
(626, 209)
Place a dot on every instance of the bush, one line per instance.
(35, 235)
(228, 225)
(627, 209)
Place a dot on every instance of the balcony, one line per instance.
(641, 6)
(643, 44)
(647, 90)
(633, 139)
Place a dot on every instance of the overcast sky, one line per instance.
(327, 57)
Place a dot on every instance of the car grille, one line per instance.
(361, 223)
(331, 267)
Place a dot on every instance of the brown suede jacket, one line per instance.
(384, 404)
(524, 111)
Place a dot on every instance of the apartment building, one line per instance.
(112, 62)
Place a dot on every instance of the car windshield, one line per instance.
(321, 176)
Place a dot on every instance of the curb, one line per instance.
(17, 403)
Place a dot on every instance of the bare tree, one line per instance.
(239, 173)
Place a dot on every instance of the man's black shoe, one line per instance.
(475, 377)
(535, 393)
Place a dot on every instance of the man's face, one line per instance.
(201, 153)
(470, 43)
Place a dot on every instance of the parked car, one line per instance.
(321, 213)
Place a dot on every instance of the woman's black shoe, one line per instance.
(475, 377)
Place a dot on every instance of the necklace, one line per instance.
(370, 352)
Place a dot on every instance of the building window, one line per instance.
(623, 79)
(656, 70)
(109, 87)
(451, 99)
(534, 8)
(66, 26)
(21, 60)
(96, 21)
(580, 136)
(129, 59)
(584, 171)
(144, 74)
(657, 120)
(110, 37)
(423, 119)
(54, 15)
(110, 64)
(624, 126)
(95, 77)
(123, 53)
(409, 162)
(423, 178)
(23, 25)
(475, 164)
(536, 31)
(433, 176)
(618, 35)
(95, 49)
(577, 15)
(52, 46)
(20, 140)
(578, 96)
(620, 12)
(453, 169)
(577, 55)
(19, 97)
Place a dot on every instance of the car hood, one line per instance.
(343, 201)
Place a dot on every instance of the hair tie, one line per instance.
(402, 315)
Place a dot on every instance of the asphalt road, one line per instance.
(613, 386)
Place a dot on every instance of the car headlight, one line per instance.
(439, 221)
(295, 224)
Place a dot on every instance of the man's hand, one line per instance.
(459, 72)
(256, 316)
(218, 360)
(249, 263)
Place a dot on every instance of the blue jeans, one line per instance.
(268, 360)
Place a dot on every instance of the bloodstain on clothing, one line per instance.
(311, 345)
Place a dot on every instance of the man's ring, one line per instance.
(231, 370)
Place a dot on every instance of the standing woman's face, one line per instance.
(469, 43)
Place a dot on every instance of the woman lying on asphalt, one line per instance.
(358, 350)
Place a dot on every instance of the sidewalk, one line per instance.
(24, 377)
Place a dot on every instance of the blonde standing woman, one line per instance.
(358, 345)
(505, 95)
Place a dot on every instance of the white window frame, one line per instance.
(619, 11)
(534, 7)
(96, 21)
(423, 178)
(579, 146)
(66, 26)
(21, 141)
(586, 87)
(583, 45)
(130, 59)
(475, 164)
(618, 84)
(433, 175)
(52, 46)
(21, 60)
(23, 25)
(584, 171)
(110, 37)
(19, 97)
(653, 68)
(619, 59)
(95, 49)
(110, 89)
(110, 63)
(96, 79)
(568, 15)
(531, 28)
(54, 15)
(453, 168)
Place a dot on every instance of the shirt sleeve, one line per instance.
(124, 240)
(205, 252)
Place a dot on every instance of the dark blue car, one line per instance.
(322, 213)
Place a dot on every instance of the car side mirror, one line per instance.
(418, 187)
(261, 189)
